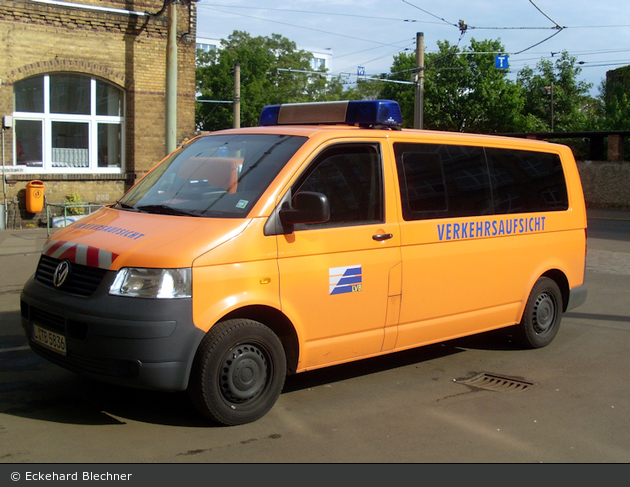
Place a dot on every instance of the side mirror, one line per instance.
(309, 207)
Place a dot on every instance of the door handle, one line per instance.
(383, 236)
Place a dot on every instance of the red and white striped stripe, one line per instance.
(79, 254)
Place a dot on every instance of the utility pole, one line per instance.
(552, 117)
(549, 89)
(171, 79)
(7, 122)
(237, 96)
(418, 112)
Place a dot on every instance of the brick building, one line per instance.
(83, 96)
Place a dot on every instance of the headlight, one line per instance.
(152, 283)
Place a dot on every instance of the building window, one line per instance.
(68, 123)
(318, 63)
(206, 47)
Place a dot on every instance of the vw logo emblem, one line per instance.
(61, 273)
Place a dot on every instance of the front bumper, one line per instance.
(144, 343)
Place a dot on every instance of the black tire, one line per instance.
(542, 315)
(238, 373)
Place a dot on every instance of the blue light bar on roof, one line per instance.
(354, 112)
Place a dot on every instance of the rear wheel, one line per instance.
(238, 373)
(542, 315)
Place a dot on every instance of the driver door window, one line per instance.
(351, 178)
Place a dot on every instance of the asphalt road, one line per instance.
(573, 406)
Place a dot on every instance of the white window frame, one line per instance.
(47, 118)
(318, 62)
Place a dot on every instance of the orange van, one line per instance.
(325, 235)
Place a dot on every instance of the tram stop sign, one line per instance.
(501, 61)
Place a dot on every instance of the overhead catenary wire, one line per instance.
(429, 13)
(366, 78)
(556, 26)
(380, 57)
(312, 29)
(463, 27)
(312, 12)
(540, 10)
(306, 28)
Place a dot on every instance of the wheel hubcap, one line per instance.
(545, 313)
(244, 373)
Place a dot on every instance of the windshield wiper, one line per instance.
(125, 206)
(165, 210)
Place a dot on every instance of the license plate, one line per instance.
(49, 339)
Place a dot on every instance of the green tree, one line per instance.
(571, 99)
(264, 62)
(463, 91)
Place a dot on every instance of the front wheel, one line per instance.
(238, 373)
(542, 315)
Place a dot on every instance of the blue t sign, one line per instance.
(501, 61)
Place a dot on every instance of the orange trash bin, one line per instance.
(34, 196)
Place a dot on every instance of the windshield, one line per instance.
(219, 176)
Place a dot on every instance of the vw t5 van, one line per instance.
(325, 235)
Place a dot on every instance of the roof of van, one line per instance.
(332, 131)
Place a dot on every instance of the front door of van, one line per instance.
(340, 280)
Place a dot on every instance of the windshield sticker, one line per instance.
(342, 280)
(109, 229)
(508, 226)
(242, 204)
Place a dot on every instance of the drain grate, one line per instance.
(496, 383)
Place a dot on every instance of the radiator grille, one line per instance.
(82, 280)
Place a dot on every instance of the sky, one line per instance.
(369, 33)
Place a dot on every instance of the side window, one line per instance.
(524, 181)
(439, 181)
(350, 175)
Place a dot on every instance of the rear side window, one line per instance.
(441, 181)
(524, 181)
